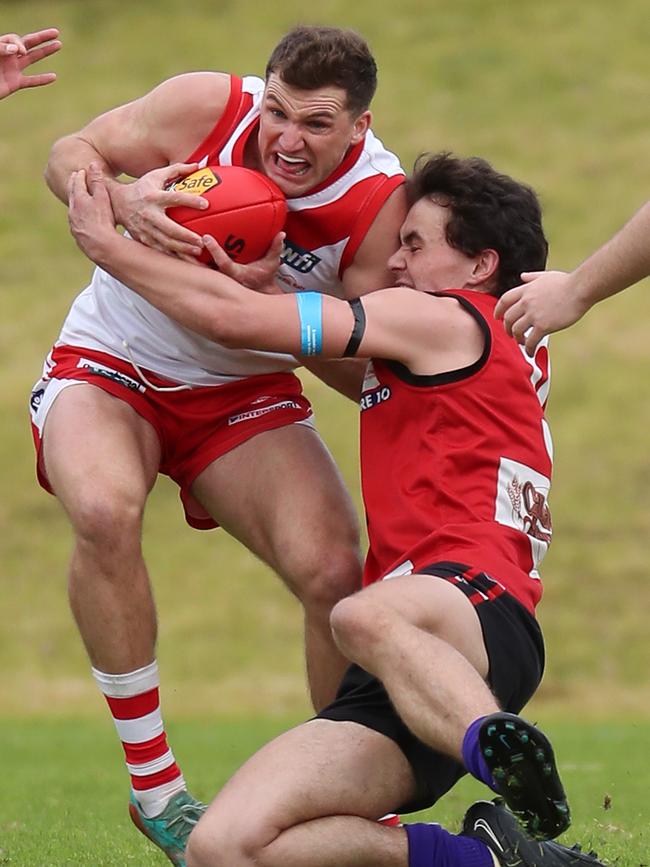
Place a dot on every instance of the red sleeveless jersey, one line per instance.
(457, 466)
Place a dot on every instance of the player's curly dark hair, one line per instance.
(309, 57)
(487, 210)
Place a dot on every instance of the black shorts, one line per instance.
(515, 649)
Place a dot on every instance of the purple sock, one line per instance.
(472, 758)
(432, 846)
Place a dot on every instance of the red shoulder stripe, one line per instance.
(324, 225)
(366, 215)
(242, 141)
(238, 104)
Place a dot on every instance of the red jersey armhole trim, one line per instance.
(217, 137)
(240, 145)
(366, 216)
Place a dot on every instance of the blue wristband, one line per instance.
(310, 311)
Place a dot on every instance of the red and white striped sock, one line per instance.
(135, 706)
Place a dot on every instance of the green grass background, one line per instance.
(79, 816)
(556, 94)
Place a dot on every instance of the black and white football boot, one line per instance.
(492, 824)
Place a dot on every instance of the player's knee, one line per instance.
(101, 520)
(357, 623)
(211, 846)
(202, 849)
(326, 577)
(337, 575)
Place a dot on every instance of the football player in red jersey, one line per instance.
(549, 301)
(444, 646)
(232, 429)
(19, 52)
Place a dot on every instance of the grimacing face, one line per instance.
(425, 260)
(305, 134)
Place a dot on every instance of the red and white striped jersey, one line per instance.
(324, 229)
(457, 466)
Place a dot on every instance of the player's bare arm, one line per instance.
(146, 139)
(552, 300)
(426, 333)
(367, 272)
(211, 304)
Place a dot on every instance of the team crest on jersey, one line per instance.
(522, 502)
(299, 259)
(530, 506)
(197, 183)
(373, 392)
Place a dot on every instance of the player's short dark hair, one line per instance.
(487, 210)
(309, 57)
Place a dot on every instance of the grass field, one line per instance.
(553, 93)
(79, 815)
(67, 805)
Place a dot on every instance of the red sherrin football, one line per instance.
(247, 210)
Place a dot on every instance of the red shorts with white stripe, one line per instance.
(195, 426)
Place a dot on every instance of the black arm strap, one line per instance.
(358, 329)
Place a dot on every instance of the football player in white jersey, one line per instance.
(150, 397)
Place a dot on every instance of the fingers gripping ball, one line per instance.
(247, 210)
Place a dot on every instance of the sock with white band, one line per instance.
(135, 706)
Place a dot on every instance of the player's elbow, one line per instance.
(49, 173)
(58, 157)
